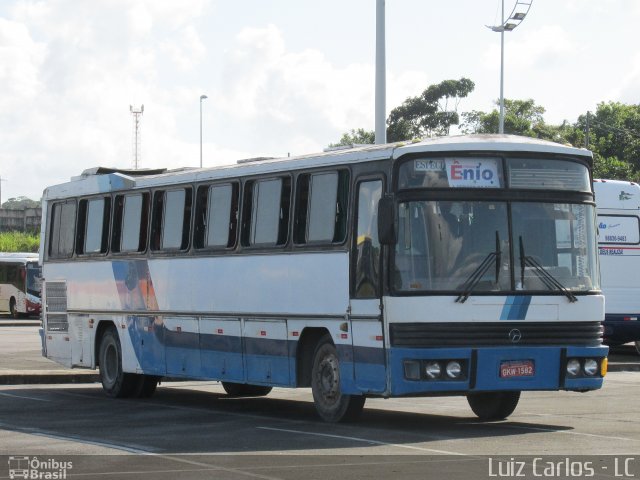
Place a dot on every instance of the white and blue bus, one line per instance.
(618, 208)
(20, 284)
(453, 266)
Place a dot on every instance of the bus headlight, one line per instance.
(573, 367)
(590, 367)
(454, 369)
(433, 370)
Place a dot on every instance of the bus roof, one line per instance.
(101, 179)
(617, 194)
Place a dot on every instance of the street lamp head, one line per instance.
(518, 14)
(202, 97)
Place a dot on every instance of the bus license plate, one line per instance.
(519, 368)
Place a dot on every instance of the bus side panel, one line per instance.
(369, 356)
(182, 346)
(8, 290)
(147, 338)
(58, 347)
(81, 339)
(266, 352)
(221, 349)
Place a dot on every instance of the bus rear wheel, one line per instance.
(115, 382)
(331, 404)
(13, 308)
(244, 390)
(493, 405)
(145, 386)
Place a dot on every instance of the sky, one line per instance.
(281, 76)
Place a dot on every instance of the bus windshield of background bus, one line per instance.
(442, 245)
(34, 282)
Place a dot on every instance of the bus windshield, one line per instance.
(34, 282)
(457, 245)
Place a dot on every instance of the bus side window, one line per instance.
(171, 219)
(63, 227)
(367, 275)
(130, 223)
(321, 207)
(217, 216)
(93, 226)
(266, 212)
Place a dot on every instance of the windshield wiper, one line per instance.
(549, 280)
(479, 272)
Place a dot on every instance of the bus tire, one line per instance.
(245, 390)
(145, 386)
(493, 405)
(115, 382)
(331, 404)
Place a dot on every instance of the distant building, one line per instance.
(21, 220)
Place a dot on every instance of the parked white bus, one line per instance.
(460, 266)
(618, 207)
(20, 284)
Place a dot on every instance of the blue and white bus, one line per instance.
(452, 266)
(618, 208)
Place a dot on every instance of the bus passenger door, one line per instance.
(369, 357)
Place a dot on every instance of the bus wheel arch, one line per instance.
(331, 404)
(305, 350)
(115, 382)
(493, 405)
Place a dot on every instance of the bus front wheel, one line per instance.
(331, 404)
(493, 405)
(115, 382)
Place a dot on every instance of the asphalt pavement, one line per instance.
(21, 360)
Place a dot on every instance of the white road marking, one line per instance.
(25, 397)
(363, 440)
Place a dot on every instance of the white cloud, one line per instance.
(545, 47)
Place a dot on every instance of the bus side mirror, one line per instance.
(386, 221)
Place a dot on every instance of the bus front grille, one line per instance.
(475, 334)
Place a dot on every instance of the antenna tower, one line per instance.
(136, 112)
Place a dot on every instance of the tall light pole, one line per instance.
(518, 13)
(1, 180)
(381, 123)
(202, 97)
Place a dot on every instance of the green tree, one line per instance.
(521, 117)
(431, 113)
(355, 137)
(614, 132)
(613, 168)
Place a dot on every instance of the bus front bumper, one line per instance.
(417, 371)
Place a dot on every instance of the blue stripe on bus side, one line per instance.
(231, 358)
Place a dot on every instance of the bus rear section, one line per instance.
(20, 284)
(618, 205)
